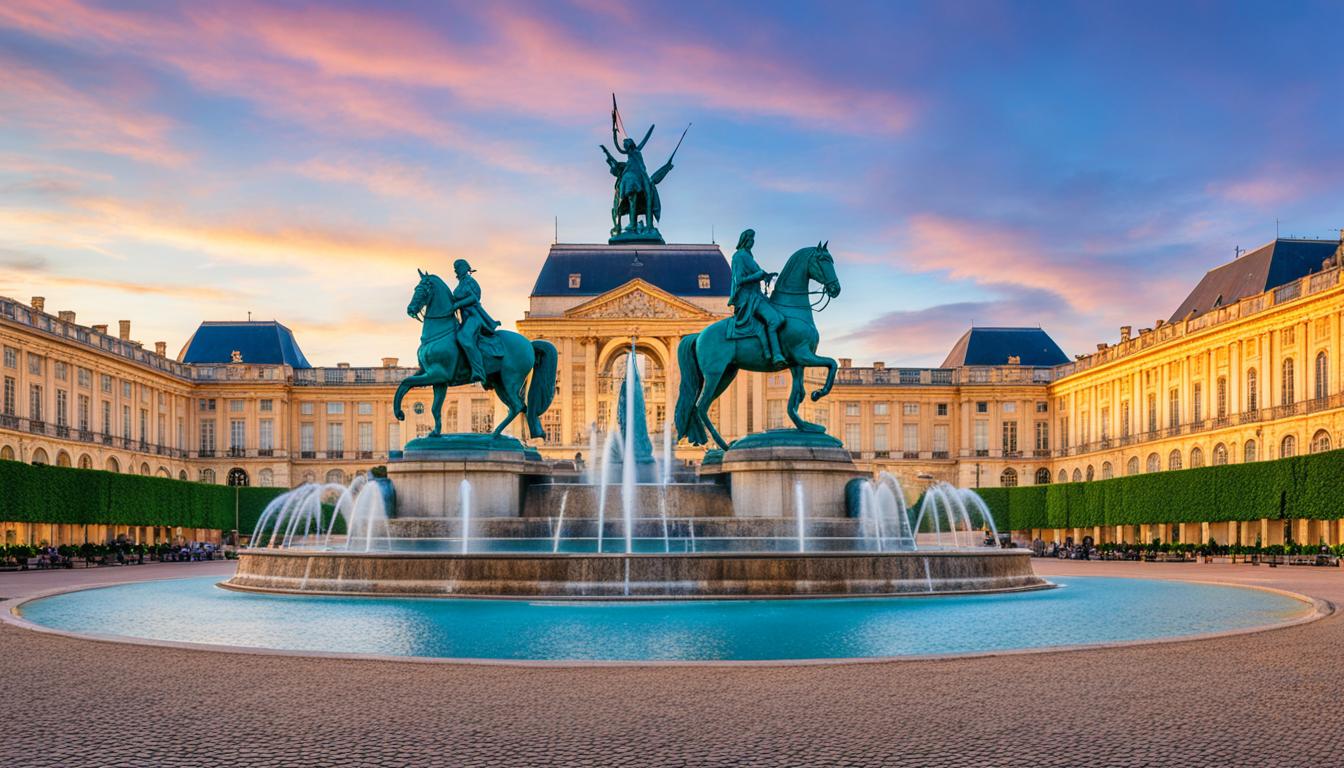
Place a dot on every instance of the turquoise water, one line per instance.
(1081, 611)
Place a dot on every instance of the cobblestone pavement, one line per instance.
(1271, 698)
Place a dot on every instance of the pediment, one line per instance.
(638, 299)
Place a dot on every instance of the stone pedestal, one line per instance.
(428, 475)
(763, 468)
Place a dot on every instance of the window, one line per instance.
(307, 443)
(85, 377)
(1252, 392)
(126, 389)
(940, 440)
(1288, 336)
(1286, 390)
(982, 406)
(1010, 438)
(126, 422)
(1064, 432)
(482, 415)
(336, 476)
(236, 406)
(881, 409)
(206, 405)
(1042, 437)
(237, 434)
(1288, 448)
(335, 438)
(1174, 408)
(1042, 476)
(394, 436)
(1077, 476)
(266, 435)
(1042, 407)
(36, 363)
(1132, 466)
(1322, 383)
(852, 437)
(366, 436)
(1249, 452)
(1174, 460)
(851, 409)
(1008, 478)
(1196, 402)
(1152, 413)
(207, 476)
(1154, 463)
(1009, 407)
(364, 409)
(335, 408)
(1091, 473)
(107, 417)
(1106, 423)
(59, 369)
(84, 413)
(105, 383)
(1107, 471)
(774, 414)
(1320, 441)
(306, 408)
(35, 402)
(1221, 405)
(981, 437)
(266, 478)
(910, 438)
(11, 357)
(942, 409)
(575, 279)
(1063, 476)
(207, 436)
(1124, 419)
(10, 396)
(1219, 455)
(62, 409)
(910, 409)
(703, 281)
(1196, 457)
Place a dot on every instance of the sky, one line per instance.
(1072, 166)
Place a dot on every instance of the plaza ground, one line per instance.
(1264, 698)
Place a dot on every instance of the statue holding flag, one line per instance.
(636, 191)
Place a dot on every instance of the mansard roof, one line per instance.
(600, 268)
(1269, 266)
(263, 342)
(993, 346)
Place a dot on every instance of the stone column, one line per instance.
(565, 382)
(590, 380)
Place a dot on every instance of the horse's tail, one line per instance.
(541, 391)
(688, 422)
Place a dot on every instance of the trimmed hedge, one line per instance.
(46, 494)
(1302, 487)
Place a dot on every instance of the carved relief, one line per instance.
(634, 304)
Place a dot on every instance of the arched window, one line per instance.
(40, 457)
(207, 476)
(62, 459)
(1219, 455)
(1248, 452)
(1320, 441)
(266, 478)
(1196, 457)
(1154, 463)
(1174, 460)
(1042, 476)
(336, 476)
(1091, 473)
(1252, 392)
(6, 453)
(163, 472)
(1322, 383)
(112, 464)
(1286, 390)
(309, 477)
(237, 477)
(1132, 468)
(1077, 475)
(1107, 471)
(1008, 478)
(85, 461)
(1288, 447)
(1063, 476)
(144, 470)
(182, 474)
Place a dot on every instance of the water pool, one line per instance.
(1082, 611)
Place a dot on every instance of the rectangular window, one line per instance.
(105, 383)
(942, 409)
(880, 437)
(365, 409)
(981, 436)
(1124, 419)
(853, 439)
(881, 409)
(266, 434)
(307, 444)
(1173, 408)
(126, 389)
(940, 440)
(335, 438)
(59, 369)
(107, 418)
(306, 409)
(1042, 436)
(1196, 403)
(704, 282)
(35, 364)
(206, 405)
(1152, 413)
(910, 409)
(10, 396)
(335, 408)
(982, 406)
(1106, 423)
(1222, 398)
(1009, 438)
(366, 436)
(482, 415)
(1009, 407)
(394, 436)
(575, 280)
(237, 434)
(910, 438)
(851, 409)
(144, 425)
(85, 377)
(11, 357)
(84, 414)
(62, 409)
(236, 406)
(1042, 406)
(266, 406)
(162, 430)
(207, 436)
(774, 414)
(126, 422)
(1064, 432)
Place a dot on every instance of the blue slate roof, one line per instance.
(993, 346)
(264, 342)
(1260, 270)
(674, 268)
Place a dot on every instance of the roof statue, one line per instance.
(635, 198)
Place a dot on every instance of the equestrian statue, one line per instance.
(767, 332)
(636, 190)
(460, 343)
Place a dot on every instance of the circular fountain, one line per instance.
(634, 526)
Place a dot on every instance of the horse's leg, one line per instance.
(718, 375)
(806, 357)
(510, 385)
(440, 389)
(796, 399)
(410, 382)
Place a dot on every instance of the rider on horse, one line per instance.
(748, 298)
(475, 320)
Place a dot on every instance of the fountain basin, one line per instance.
(543, 500)
(607, 575)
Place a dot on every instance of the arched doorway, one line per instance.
(40, 456)
(652, 378)
(112, 464)
(6, 453)
(237, 477)
(85, 461)
(62, 459)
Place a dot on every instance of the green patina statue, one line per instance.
(636, 191)
(459, 344)
(766, 333)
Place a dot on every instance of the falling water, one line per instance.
(591, 466)
(464, 495)
(604, 479)
(800, 512)
(628, 454)
(668, 458)
(560, 524)
(297, 518)
(662, 512)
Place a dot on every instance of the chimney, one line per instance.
(1125, 331)
(342, 365)
(100, 328)
(846, 362)
(161, 348)
(389, 362)
(878, 365)
(66, 316)
(125, 330)
(38, 303)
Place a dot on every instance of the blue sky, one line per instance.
(1073, 166)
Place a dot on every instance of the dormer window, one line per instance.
(704, 282)
(575, 279)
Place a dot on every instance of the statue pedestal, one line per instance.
(763, 469)
(428, 476)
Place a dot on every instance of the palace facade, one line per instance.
(1246, 369)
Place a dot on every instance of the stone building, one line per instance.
(1246, 369)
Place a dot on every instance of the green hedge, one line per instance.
(1299, 487)
(45, 494)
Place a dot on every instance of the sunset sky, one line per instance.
(1018, 163)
